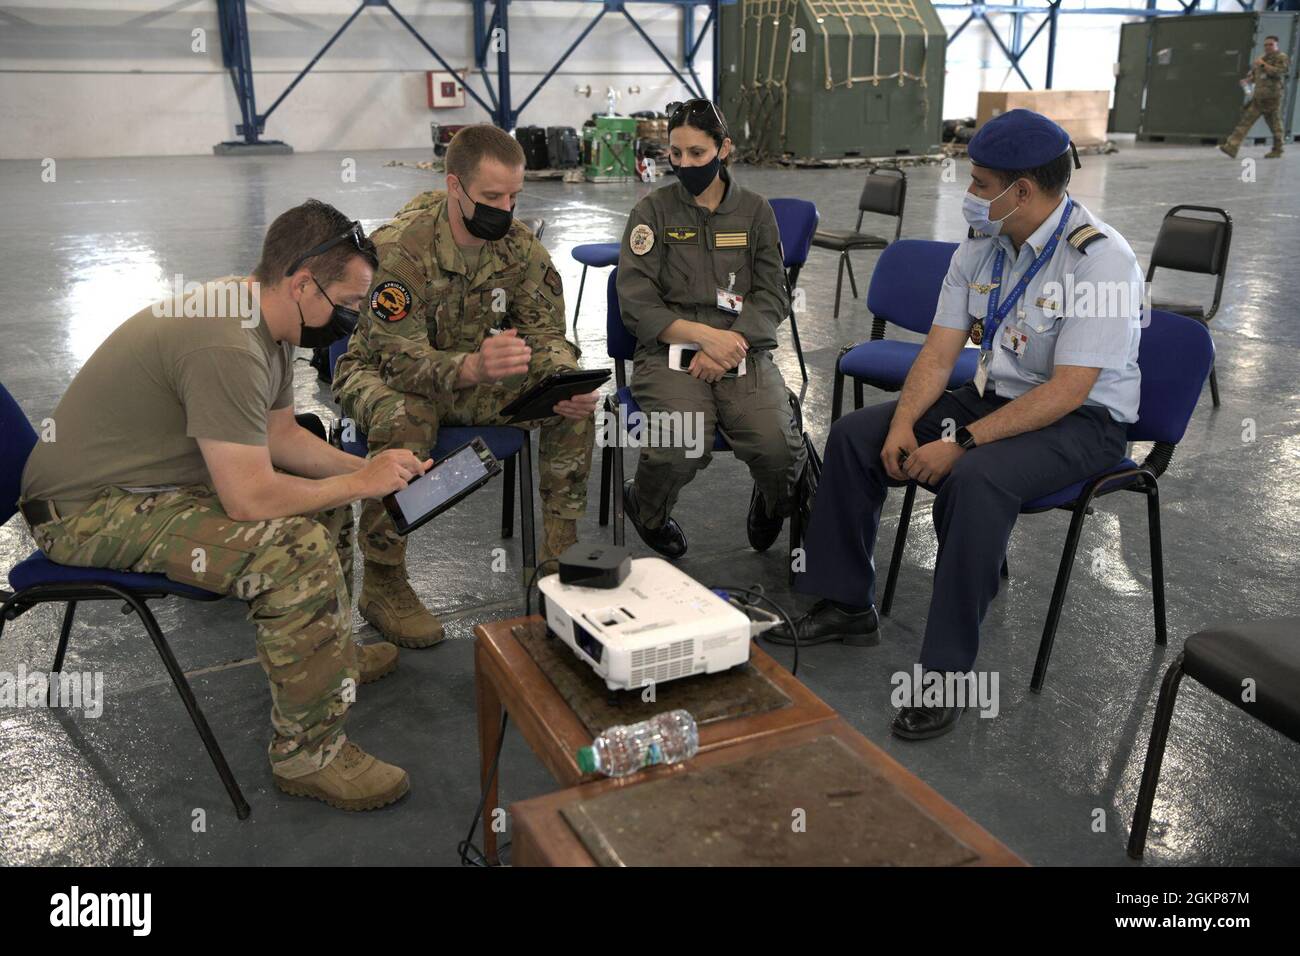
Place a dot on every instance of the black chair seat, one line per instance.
(1196, 312)
(842, 239)
(1266, 651)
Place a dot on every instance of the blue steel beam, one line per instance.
(659, 53)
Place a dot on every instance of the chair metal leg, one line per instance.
(1157, 561)
(616, 495)
(900, 540)
(1006, 571)
(848, 265)
(64, 632)
(160, 644)
(508, 498)
(837, 393)
(839, 283)
(526, 502)
(606, 454)
(796, 538)
(1058, 596)
(798, 348)
(578, 305)
(859, 393)
(1137, 837)
(1214, 386)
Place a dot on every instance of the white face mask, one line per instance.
(976, 211)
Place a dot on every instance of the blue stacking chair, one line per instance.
(506, 442)
(1175, 357)
(597, 254)
(796, 221)
(904, 292)
(620, 345)
(38, 580)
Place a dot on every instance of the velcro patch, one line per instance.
(682, 234)
(552, 279)
(391, 301)
(730, 240)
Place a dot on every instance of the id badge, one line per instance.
(1016, 340)
(982, 372)
(730, 301)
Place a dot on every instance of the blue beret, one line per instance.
(1018, 139)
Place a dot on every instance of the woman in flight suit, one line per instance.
(701, 266)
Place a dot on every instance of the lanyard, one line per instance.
(996, 314)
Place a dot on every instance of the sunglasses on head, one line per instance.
(695, 107)
(355, 235)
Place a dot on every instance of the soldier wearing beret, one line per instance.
(455, 267)
(1052, 297)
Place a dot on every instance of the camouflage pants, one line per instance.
(1270, 109)
(295, 573)
(393, 419)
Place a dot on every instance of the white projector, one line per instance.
(658, 625)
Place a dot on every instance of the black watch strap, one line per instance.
(965, 438)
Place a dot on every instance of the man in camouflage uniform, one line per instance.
(175, 451)
(453, 267)
(1268, 73)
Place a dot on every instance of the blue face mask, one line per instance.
(976, 211)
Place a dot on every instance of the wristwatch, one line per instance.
(965, 438)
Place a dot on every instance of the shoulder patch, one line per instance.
(391, 301)
(1084, 236)
(642, 239)
(552, 280)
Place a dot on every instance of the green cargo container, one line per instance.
(826, 79)
(1178, 76)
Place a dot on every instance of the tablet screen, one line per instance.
(440, 483)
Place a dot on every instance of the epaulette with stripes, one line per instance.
(972, 234)
(1084, 236)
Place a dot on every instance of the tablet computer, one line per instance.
(453, 478)
(539, 401)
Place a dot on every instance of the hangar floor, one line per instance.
(1054, 775)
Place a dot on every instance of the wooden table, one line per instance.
(505, 675)
(542, 836)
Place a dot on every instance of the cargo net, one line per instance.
(766, 45)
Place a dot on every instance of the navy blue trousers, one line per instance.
(976, 508)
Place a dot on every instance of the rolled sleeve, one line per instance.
(952, 311)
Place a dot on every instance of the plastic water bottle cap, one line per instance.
(587, 760)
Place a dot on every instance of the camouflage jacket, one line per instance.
(425, 313)
(1271, 75)
(676, 255)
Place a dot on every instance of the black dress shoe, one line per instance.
(668, 540)
(922, 723)
(762, 529)
(825, 621)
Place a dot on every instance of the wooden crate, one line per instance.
(1083, 113)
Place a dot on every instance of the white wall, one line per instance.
(118, 77)
(98, 78)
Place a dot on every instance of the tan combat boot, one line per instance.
(388, 603)
(1274, 153)
(1229, 149)
(557, 535)
(376, 660)
(353, 780)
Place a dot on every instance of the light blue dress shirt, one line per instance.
(1084, 307)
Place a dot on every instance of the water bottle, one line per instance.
(669, 737)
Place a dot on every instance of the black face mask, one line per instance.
(696, 179)
(488, 222)
(341, 324)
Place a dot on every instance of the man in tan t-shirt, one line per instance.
(175, 450)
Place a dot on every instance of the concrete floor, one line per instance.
(105, 239)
